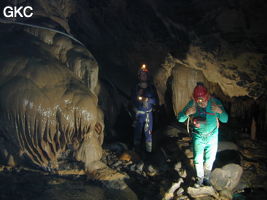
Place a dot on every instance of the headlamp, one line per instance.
(143, 68)
(200, 100)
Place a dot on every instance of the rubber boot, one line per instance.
(206, 180)
(149, 147)
(200, 175)
(199, 182)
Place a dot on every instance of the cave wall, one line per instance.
(49, 114)
(222, 39)
(225, 40)
(217, 38)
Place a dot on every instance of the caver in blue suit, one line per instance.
(144, 98)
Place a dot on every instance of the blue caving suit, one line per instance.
(143, 119)
(205, 134)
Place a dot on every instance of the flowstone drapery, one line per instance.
(48, 113)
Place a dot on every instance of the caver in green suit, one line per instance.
(205, 112)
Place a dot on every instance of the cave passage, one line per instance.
(78, 78)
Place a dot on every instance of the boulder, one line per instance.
(226, 145)
(227, 177)
(202, 192)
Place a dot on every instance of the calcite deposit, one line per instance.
(46, 109)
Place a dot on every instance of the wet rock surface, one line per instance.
(48, 115)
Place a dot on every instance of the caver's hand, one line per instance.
(190, 111)
(143, 99)
(216, 109)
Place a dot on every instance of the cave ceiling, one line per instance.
(225, 39)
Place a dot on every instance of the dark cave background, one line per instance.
(123, 34)
(220, 42)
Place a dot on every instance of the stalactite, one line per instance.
(241, 113)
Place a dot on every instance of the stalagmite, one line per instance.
(253, 129)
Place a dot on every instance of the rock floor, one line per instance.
(166, 174)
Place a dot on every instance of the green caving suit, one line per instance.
(205, 134)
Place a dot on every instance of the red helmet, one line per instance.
(200, 92)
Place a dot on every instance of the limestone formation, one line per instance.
(183, 83)
(48, 114)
